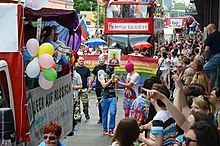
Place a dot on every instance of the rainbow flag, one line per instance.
(83, 27)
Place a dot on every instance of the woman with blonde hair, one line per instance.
(199, 76)
(203, 104)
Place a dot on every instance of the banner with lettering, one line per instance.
(144, 66)
(45, 106)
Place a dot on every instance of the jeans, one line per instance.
(108, 104)
(211, 67)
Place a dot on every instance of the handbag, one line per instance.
(159, 72)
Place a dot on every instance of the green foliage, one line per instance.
(84, 5)
(179, 6)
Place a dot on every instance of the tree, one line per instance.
(84, 5)
(101, 16)
(179, 6)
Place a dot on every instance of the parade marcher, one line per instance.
(131, 83)
(108, 101)
(52, 133)
(61, 59)
(83, 94)
(212, 46)
(98, 86)
(77, 86)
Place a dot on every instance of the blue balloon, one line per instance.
(27, 56)
(37, 76)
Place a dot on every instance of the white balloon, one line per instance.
(35, 4)
(33, 68)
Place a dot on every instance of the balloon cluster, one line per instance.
(42, 64)
(192, 20)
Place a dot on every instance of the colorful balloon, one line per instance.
(27, 56)
(46, 48)
(45, 84)
(46, 60)
(33, 68)
(32, 46)
(50, 74)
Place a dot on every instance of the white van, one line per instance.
(170, 33)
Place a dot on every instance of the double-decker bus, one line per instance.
(129, 22)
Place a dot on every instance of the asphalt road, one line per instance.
(88, 132)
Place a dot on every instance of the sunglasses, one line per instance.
(50, 137)
(188, 140)
(205, 98)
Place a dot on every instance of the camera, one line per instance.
(109, 70)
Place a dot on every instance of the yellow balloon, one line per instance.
(46, 48)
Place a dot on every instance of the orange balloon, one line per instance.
(54, 66)
(42, 68)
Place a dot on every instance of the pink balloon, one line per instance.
(32, 46)
(45, 84)
(46, 61)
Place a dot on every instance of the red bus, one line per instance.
(177, 23)
(129, 22)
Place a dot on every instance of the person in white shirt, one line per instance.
(136, 52)
(165, 64)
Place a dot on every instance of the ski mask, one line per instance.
(129, 66)
(101, 59)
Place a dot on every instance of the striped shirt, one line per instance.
(163, 124)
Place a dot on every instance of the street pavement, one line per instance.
(88, 132)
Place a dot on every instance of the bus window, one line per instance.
(112, 11)
(128, 11)
(4, 93)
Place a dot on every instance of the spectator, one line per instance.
(199, 76)
(215, 96)
(163, 129)
(136, 52)
(212, 46)
(142, 110)
(193, 118)
(52, 133)
(198, 134)
(126, 132)
(97, 51)
(165, 64)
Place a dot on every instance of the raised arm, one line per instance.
(176, 113)
(105, 84)
(179, 99)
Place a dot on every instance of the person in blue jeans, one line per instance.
(108, 101)
(212, 46)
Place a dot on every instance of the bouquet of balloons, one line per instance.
(42, 64)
